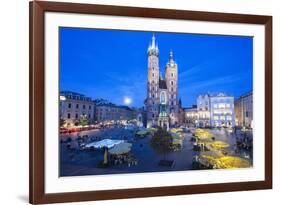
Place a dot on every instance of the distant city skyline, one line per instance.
(112, 64)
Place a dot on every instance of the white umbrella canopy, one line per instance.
(121, 148)
(104, 143)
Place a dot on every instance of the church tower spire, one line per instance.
(171, 58)
(153, 47)
(171, 62)
(153, 41)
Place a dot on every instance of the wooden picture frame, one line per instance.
(37, 97)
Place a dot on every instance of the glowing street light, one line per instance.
(62, 98)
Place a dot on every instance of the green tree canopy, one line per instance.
(161, 141)
(83, 120)
(62, 122)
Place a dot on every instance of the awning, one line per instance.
(104, 143)
(121, 148)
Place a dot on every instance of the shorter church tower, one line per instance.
(171, 76)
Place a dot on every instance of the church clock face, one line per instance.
(163, 97)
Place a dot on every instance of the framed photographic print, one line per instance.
(139, 102)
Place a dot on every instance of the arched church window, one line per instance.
(172, 74)
(152, 74)
(172, 82)
(163, 98)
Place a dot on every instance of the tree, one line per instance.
(83, 120)
(62, 122)
(161, 141)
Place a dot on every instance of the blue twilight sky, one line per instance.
(112, 64)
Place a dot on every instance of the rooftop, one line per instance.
(74, 96)
(210, 95)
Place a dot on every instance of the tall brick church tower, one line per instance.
(152, 100)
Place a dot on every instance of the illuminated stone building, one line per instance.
(244, 110)
(162, 103)
(215, 110)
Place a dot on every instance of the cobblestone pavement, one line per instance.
(75, 162)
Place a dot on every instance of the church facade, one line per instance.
(162, 102)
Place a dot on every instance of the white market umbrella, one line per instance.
(121, 148)
(109, 143)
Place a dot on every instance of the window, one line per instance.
(229, 117)
(152, 95)
(172, 74)
(90, 107)
(84, 107)
(69, 105)
(89, 116)
(247, 114)
(152, 88)
(221, 105)
(76, 116)
(77, 106)
(152, 74)
(172, 82)
(152, 115)
(68, 116)
(163, 97)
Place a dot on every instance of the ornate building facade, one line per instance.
(73, 106)
(215, 110)
(162, 103)
(244, 110)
